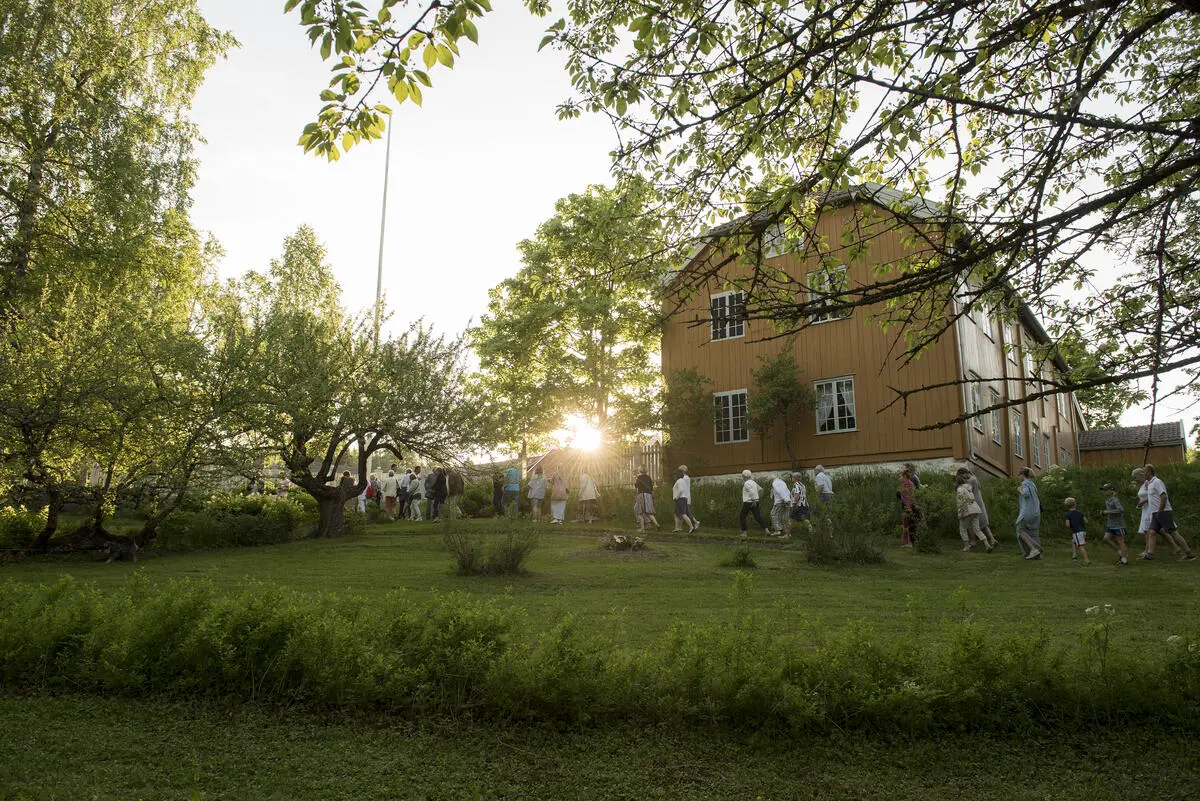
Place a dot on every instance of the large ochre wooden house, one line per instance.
(851, 364)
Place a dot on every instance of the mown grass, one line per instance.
(71, 747)
(634, 598)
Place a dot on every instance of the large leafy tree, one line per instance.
(582, 310)
(325, 390)
(1058, 140)
(95, 147)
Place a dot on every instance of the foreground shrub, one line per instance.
(20, 526)
(499, 553)
(461, 657)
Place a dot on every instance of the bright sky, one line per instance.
(474, 171)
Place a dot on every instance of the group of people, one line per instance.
(1156, 518)
(788, 504)
(506, 490)
(413, 495)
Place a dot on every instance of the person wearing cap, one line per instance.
(823, 483)
(750, 496)
(681, 493)
(1114, 523)
(782, 497)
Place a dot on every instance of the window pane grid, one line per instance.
(835, 406)
(729, 416)
(728, 315)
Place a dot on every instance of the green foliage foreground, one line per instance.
(457, 657)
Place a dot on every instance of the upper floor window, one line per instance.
(976, 402)
(1035, 445)
(729, 415)
(1010, 344)
(728, 315)
(835, 405)
(1046, 448)
(1018, 427)
(995, 404)
(827, 285)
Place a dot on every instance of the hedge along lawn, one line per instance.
(73, 748)
(633, 598)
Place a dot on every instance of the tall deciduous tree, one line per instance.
(687, 413)
(583, 310)
(1102, 404)
(326, 390)
(95, 147)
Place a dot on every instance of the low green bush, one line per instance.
(836, 538)
(739, 556)
(455, 656)
(477, 500)
(237, 520)
(19, 527)
(498, 553)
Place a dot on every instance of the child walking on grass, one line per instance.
(1077, 523)
(968, 514)
(1114, 524)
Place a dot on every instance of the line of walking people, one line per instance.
(413, 495)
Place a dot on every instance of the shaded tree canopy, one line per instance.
(1058, 141)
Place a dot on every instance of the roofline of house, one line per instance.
(1179, 439)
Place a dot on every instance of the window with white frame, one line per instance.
(994, 402)
(728, 315)
(835, 405)
(1018, 426)
(985, 322)
(729, 416)
(1064, 458)
(976, 402)
(826, 285)
(1010, 344)
(1035, 444)
(1046, 448)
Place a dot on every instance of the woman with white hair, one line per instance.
(750, 495)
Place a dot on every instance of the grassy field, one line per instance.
(635, 597)
(85, 748)
(67, 747)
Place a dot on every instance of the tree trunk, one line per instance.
(332, 515)
(787, 441)
(53, 507)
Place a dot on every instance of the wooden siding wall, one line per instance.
(1159, 454)
(854, 347)
(984, 355)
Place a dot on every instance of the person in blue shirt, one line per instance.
(1029, 516)
(512, 489)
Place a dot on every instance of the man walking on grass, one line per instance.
(1162, 518)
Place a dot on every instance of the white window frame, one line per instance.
(1046, 448)
(1011, 344)
(1018, 432)
(729, 420)
(1064, 458)
(726, 321)
(1035, 440)
(822, 274)
(997, 425)
(976, 402)
(837, 418)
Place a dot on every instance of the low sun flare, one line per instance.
(580, 434)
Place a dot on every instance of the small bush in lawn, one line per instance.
(237, 520)
(739, 556)
(356, 522)
(477, 500)
(19, 527)
(376, 514)
(837, 538)
(500, 554)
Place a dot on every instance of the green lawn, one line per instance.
(135, 748)
(85, 748)
(635, 597)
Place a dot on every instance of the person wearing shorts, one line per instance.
(1114, 523)
(1162, 518)
(681, 493)
(1077, 523)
